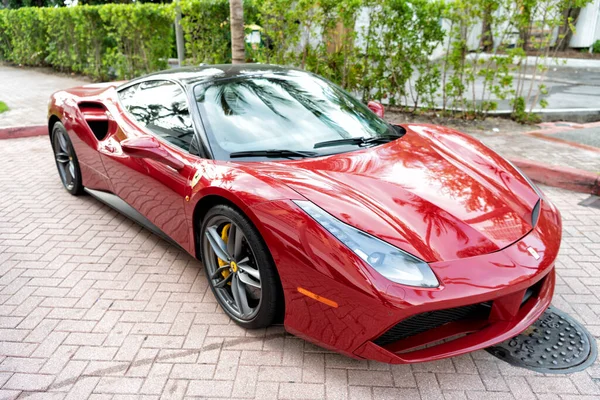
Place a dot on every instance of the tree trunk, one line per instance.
(524, 23)
(238, 46)
(487, 36)
(570, 14)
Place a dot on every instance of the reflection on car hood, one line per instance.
(435, 193)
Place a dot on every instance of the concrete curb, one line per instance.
(14, 132)
(561, 177)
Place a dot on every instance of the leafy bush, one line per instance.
(76, 40)
(207, 32)
(140, 35)
(401, 36)
(596, 47)
(101, 41)
(24, 33)
(379, 49)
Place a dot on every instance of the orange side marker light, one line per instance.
(316, 297)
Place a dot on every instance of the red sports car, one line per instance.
(393, 243)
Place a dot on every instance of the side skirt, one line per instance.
(118, 204)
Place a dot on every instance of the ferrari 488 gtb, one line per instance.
(392, 243)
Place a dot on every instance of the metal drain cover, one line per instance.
(555, 343)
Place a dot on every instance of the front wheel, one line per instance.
(239, 268)
(66, 160)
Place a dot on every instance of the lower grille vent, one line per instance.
(433, 319)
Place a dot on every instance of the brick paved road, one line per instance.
(92, 305)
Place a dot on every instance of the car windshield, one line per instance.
(293, 111)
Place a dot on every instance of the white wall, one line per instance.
(588, 26)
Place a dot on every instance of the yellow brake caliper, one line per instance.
(225, 237)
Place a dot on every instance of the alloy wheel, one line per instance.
(232, 268)
(64, 155)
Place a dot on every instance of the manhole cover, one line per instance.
(555, 343)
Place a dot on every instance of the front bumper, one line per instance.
(369, 305)
(508, 317)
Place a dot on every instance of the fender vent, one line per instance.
(96, 118)
(433, 319)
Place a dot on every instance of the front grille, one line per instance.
(433, 319)
(532, 291)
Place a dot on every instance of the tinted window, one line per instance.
(291, 111)
(161, 106)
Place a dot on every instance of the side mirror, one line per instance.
(149, 147)
(376, 107)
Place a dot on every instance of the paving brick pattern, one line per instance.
(535, 149)
(94, 306)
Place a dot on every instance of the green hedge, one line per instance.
(126, 40)
(109, 41)
(387, 57)
(207, 32)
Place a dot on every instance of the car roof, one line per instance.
(190, 76)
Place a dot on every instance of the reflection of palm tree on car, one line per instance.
(233, 101)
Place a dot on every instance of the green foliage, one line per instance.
(76, 40)
(102, 41)
(32, 3)
(24, 33)
(5, 44)
(388, 56)
(140, 34)
(205, 42)
(3, 107)
(596, 47)
(520, 113)
(401, 35)
(207, 32)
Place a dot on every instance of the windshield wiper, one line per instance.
(361, 141)
(273, 153)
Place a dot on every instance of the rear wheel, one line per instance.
(239, 268)
(66, 160)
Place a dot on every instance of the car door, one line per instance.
(156, 111)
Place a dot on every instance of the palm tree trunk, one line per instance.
(236, 16)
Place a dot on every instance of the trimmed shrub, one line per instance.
(24, 33)
(140, 37)
(76, 40)
(207, 32)
(109, 41)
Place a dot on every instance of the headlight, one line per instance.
(391, 262)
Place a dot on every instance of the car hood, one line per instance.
(435, 193)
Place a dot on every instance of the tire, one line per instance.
(251, 247)
(66, 160)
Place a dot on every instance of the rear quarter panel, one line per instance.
(63, 105)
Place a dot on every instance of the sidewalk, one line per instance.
(541, 148)
(556, 154)
(26, 92)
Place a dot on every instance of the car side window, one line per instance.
(161, 107)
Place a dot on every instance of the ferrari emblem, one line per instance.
(196, 179)
(534, 253)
